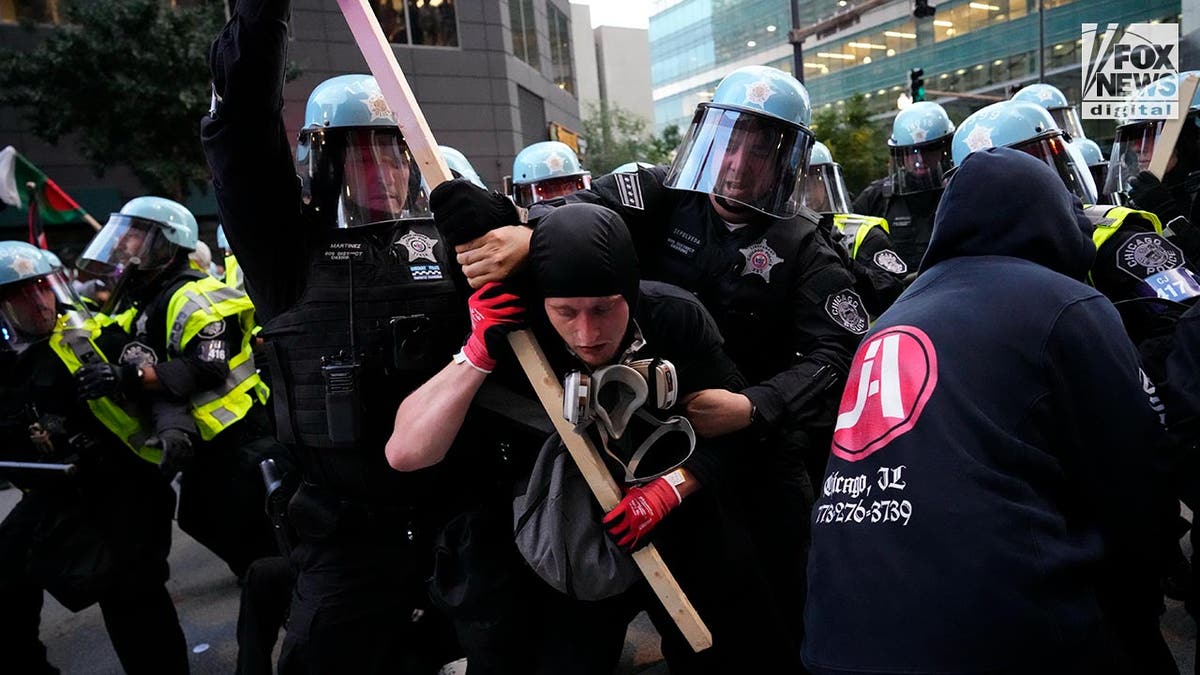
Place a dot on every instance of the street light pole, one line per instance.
(797, 49)
(1041, 42)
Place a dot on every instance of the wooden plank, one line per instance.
(1164, 145)
(392, 83)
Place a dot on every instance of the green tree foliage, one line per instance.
(616, 136)
(130, 79)
(857, 143)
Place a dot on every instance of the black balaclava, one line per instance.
(582, 251)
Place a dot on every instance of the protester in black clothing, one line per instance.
(990, 417)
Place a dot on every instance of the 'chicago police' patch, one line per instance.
(1147, 253)
(846, 310)
(213, 330)
(630, 189)
(888, 259)
(425, 272)
(137, 354)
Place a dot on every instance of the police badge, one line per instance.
(1146, 254)
(419, 246)
(888, 259)
(760, 258)
(137, 354)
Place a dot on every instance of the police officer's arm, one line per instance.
(430, 417)
(886, 284)
(248, 152)
(636, 197)
(1111, 442)
(203, 365)
(824, 345)
(1181, 390)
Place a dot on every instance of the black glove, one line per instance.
(96, 380)
(464, 211)
(1148, 193)
(177, 451)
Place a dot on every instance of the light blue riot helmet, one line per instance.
(33, 295)
(920, 148)
(148, 233)
(632, 167)
(1055, 102)
(354, 165)
(748, 147)
(1029, 128)
(824, 186)
(459, 163)
(52, 258)
(1094, 158)
(547, 170)
(222, 242)
(1138, 133)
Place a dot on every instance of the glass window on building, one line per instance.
(36, 11)
(860, 50)
(524, 33)
(428, 23)
(433, 23)
(951, 22)
(560, 49)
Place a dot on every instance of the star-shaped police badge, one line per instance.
(918, 133)
(979, 138)
(1045, 95)
(378, 107)
(555, 162)
(23, 266)
(419, 246)
(760, 258)
(758, 92)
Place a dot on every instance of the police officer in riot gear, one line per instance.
(908, 196)
(460, 165)
(1097, 164)
(102, 533)
(726, 223)
(358, 306)
(1050, 97)
(189, 364)
(1173, 198)
(547, 170)
(879, 270)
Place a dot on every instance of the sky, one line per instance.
(628, 13)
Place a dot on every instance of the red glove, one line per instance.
(642, 508)
(495, 312)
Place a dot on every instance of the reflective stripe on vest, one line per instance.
(75, 347)
(1108, 219)
(233, 274)
(195, 305)
(859, 226)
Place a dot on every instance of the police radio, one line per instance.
(341, 372)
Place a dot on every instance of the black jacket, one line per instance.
(981, 481)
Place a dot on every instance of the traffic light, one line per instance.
(922, 10)
(916, 84)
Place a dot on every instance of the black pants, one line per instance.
(266, 594)
(109, 548)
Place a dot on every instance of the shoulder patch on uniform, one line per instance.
(846, 309)
(213, 351)
(1146, 254)
(630, 189)
(212, 330)
(137, 354)
(419, 246)
(760, 258)
(889, 260)
(425, 272)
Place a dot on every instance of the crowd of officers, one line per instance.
(394, 497)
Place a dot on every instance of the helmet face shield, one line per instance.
(124, 242)
(746, 158)
(31, 309)
(920, 168)
(357, 176)
(528, 194)
(1067, 119)
(825, 189)
(1132, 151)
(1065, 159)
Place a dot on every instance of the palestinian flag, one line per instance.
(23, 185)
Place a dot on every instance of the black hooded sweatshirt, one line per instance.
(981, 483)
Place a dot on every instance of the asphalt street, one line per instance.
(206, 597)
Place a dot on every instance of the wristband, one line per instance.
(461, 357)
(675, 479)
